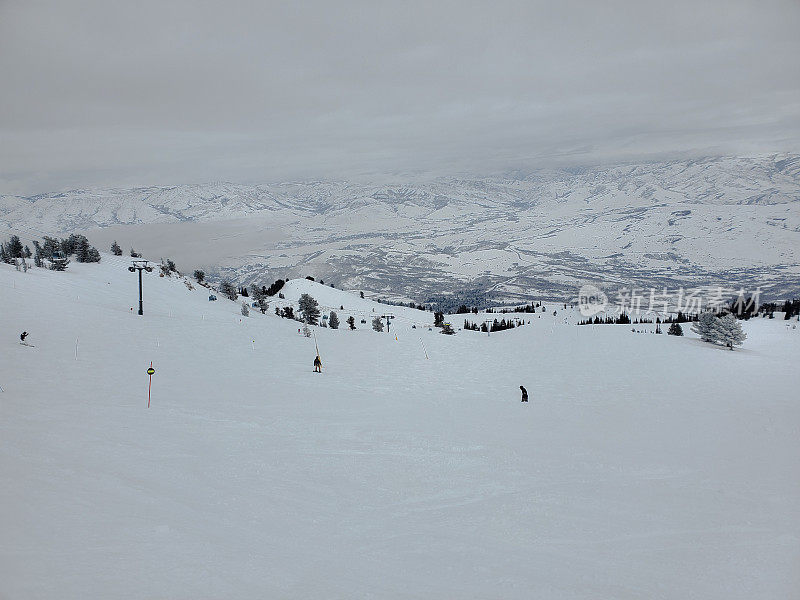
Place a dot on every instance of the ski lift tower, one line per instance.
(489, 323)
(140, 265)
(388, 318)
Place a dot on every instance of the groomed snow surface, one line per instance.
(644, 466)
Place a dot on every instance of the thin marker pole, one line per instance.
(150, 372)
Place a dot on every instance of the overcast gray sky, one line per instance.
(98, 92)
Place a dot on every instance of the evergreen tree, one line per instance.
(377, 324)
(245, 310)
(333, 320)
(288, 312)
(59, 263)
(438, 319)
(117, 251)
(263, 305)
(309, 309)
(675, 329)
(199, 275)
(706, 327)
(351, 322)
(92, 255)
(15, 249)
(51, 247)
(730, 331)
(228, 290)
(37, 257)
(28, 253)
(275, 287)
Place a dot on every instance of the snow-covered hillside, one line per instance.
(512, 237)
(645, 466)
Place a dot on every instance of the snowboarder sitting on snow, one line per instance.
(317, 365)
(22, 336)
(524, 394)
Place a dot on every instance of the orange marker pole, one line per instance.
(150, 372)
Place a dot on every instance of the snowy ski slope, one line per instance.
(644, 466)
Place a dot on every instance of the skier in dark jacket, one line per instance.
(22, 336)
(524, 394)
(317, 365)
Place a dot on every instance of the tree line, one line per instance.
(51, 252)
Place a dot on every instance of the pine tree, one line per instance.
(245, 310)
(706, 327)
(92, 255)
(438, 319)
(333, 320)
(199, 275)
(37, 257)
(309, 309)
(377, 324)
(15, 249)
(275, 287)
(730, 331)
(351, 322)
(228, 290)
(51, 247)
(675, 329)
(115, 249)
(59, 263)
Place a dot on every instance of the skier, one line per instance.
(524, 394)
(317, 365)
(22, 336)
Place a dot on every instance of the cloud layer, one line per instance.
(101, 93)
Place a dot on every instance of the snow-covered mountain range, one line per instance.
(516, 236)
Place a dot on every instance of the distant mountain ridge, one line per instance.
(723, 220)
